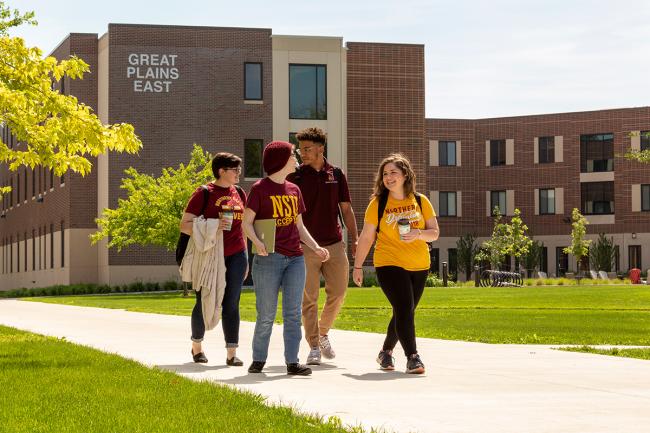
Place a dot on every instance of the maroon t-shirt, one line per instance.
(283, 203)
(322, 192)
(221, 199)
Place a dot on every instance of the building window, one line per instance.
(253, 150)
(308, 92)
(253, 81)
(51, 246)
(25, 252)
(447, 202)
(498, 199)
(645, 140)
(546, 150)
(453, 263)
(447, 153)
(645, 197)
(543, 265)
(597, 198)
(33, 250)
(634, 252)
(497, 152)
(546, 201)
(62, 245)
(434, 253)
(596, 153)
(561, 261)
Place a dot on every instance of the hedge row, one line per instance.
(90, 289)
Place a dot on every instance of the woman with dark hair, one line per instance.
(225, 201)
(402, 221)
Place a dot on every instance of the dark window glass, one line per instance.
(62, 245)
(453, 263)
(617, 258)
(253, 81)
(447, 203)
(498, 199)
(51, 246)
(634, 252)
(308, 92)
(447, 153)
(645, 197)
(33, 250)
(25, 251)
(547, 201)
(546, 150)
(561, 261)
(497, 152)
(435, 260)
(51, 177)
(253, 158)
(543, 266)
(596, 153)
(645, 140)
(597, 198)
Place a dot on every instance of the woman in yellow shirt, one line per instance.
(401, 260)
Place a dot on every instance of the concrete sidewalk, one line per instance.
(468, 387)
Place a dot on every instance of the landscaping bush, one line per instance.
(89, 289)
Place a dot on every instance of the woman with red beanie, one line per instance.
(275, 198)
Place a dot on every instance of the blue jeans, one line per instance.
(235, 269)
(269, 274)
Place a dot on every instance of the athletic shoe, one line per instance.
(414, 364)
(296, 369)
(314, 357)
(326, 347)
(385, 360)
(256, 367)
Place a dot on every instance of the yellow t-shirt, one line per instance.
(389, 249)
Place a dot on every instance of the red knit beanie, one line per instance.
(276, 155)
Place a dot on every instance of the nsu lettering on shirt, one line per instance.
(285, 209)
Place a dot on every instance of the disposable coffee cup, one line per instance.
(227, 216)
(404, 227)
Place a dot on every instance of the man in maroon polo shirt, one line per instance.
(325, 192)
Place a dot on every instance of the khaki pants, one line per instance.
(335, 271)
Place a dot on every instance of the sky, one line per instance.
(482, 58)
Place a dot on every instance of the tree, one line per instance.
(466, 250)
(507, 239)
(579, 247)
(533, 257)
(57, 130)
(603, 253)
(152, 211)
(642, 156)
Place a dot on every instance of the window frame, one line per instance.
(546, 202)
(498, 145)
(444, 155)
(546, 147)
(446, 201)
(505, 204)
(316, 66)
(261, 65)
(645, 204)
(259, 142)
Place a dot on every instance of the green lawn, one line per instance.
(614, 351)
(49, 385)
(581, 315)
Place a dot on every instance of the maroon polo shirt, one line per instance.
(322, 192)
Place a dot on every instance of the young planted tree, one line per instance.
(466, 250)
(579, 247)
(507, 239)
(602, 253)
(55, 130)
(533, 258)
(151, 212)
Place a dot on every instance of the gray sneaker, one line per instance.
(326, 347)
(314, 356)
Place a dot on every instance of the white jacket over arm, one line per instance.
(205, 267)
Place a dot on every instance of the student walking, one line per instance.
(274, 198)
(325, 192)
(222, 199)
(402, 222)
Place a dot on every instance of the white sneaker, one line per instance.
(314, 357)
(326, 347)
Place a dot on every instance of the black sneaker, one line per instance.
(296, 369)
(414, 364)
(256, 367)
(386, 360)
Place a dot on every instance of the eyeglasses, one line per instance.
(237, 169)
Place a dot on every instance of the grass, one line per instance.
(581, 315)
(613, 351)
(49, 385)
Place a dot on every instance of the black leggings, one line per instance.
(403, 289)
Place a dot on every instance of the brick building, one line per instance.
(235, 89)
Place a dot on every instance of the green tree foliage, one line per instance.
(57, 130)
(152, 211)
(603, 253)
(466, 250)
(533, 258)
(579, 247)
(507, 239)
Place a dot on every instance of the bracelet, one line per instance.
(361, 269)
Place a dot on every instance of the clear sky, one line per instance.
(483, 58)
